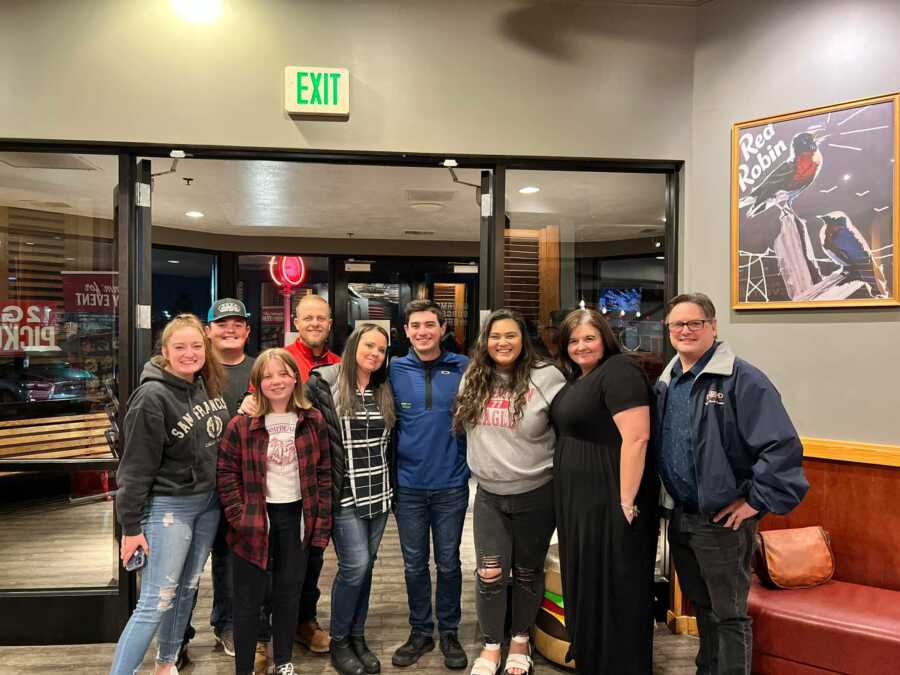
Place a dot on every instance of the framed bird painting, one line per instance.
(814, 198)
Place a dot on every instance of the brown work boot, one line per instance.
(263, 663)
(310, 635)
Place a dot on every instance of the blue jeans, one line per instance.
(180, 532)
(442, 514)
(356, 542)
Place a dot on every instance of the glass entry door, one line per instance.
(60, 392)
(379, 289)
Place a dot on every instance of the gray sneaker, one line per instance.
(285, 669)
(225, 641)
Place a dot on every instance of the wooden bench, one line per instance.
(66, 436)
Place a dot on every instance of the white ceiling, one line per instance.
(323, 200)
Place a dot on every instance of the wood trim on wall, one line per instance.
(851, 451)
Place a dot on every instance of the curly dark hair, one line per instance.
(482, 380)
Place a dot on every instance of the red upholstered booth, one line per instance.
(834, 628)
(852, 624)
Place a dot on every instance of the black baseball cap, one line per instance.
(227, 307)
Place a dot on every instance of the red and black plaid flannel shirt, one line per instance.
(241, 480)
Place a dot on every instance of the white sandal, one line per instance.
(483, 666)
(521, 662)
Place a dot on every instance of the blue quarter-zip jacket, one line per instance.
(744, 442)
(430, 456)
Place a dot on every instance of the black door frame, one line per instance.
(67, 615)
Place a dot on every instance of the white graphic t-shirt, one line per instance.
(282, 467)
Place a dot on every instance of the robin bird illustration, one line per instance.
(789, 178)
(846, 246)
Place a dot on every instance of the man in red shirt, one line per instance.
(313, 322)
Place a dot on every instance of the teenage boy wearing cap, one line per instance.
(228, 329)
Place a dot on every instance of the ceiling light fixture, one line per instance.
(174, 262)
(529, 189)
(197, 11)
(658, 244)
(450, 163)
(660, 257)
(29, 243)
(194, 214)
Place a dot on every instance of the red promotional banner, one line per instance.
(27, 326)
(91, 292)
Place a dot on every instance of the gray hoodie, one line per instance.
(171, 440)
(510, 460)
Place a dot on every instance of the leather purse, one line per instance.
(794, 558)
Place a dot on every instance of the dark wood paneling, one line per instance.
(857, 504)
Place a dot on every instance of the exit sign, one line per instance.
(317, 91)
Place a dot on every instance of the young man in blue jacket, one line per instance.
(728, 453)
(432, 483)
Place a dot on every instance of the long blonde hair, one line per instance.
(212, 372)
(298, 400)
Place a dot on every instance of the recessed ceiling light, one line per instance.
(174, 262)
(846, 176)
(197, 11)
(529, 189)
(194, 214)
(660, 257)
(658, 244)
(426, 206)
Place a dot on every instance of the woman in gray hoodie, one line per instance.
(166, 501)
(504, 404)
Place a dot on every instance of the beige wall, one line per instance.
(504, 77)
(468, 76)
(838, 371)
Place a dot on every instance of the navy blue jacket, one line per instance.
(744, 442)
(430, 455)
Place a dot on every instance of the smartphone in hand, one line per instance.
(136, 561)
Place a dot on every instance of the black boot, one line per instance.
(364, 654)
(344, 659)
(412, 650)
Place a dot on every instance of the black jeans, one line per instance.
(512, 534)
(309, 594)
(287, 560)
(713, 565)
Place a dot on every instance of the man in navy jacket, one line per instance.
(432, 483)
(727, 453)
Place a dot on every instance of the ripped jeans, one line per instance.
(180, 531)
(512, 535)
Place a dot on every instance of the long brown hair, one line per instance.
(482, 380)
(212, 372)
(347, 402)
(581, 317)
(297, 402)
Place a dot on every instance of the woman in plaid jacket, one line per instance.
(274, 481)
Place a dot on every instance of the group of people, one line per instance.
(264, 462)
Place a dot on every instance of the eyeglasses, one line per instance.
(693, 325)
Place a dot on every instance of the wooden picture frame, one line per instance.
(813, 207)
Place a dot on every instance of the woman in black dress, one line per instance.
(606, 496)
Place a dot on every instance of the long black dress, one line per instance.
(606, 564)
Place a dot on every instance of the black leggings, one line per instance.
(512, 534)
(287, 561)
